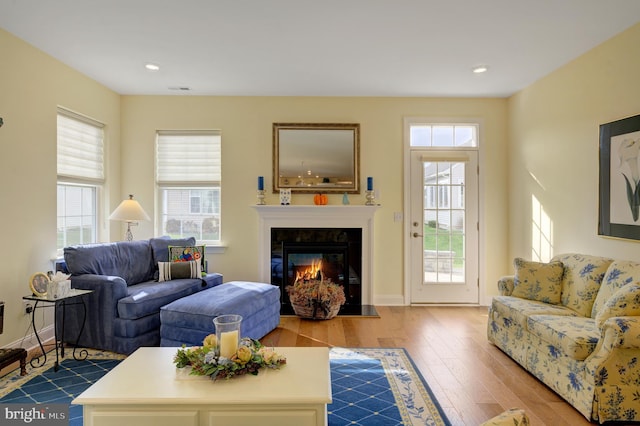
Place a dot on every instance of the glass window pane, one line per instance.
(420, 136)
(442, 135)
(465, 136)
(183, 214)
(76, 219)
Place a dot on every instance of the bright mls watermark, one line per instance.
(37, 414)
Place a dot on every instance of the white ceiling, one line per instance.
(317, 47)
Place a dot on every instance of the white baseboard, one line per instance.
(30, 342)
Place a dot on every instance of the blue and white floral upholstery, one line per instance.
(587, 346)
(511, 417)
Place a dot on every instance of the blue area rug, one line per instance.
(369, 386)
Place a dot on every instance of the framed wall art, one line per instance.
(619, 192)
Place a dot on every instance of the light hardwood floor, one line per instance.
(471, 379)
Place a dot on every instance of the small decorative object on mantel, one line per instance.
(285, 196)
(250, 357)
(345, 199)
(261, 191)
(315, 298)
(369, 194)
(320, 199)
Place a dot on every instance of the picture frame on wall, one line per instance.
(619, 192)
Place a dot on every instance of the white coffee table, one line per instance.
(146, 389)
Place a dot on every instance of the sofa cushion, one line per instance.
(581, 280)
(619, 274)
(516, 310)
(175, 270)
(537, 281)
(572, 336)
(160, 247)
(147, 298)
(130, 260)
(624, 302)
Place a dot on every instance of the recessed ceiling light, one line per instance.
(152, 67)
(479, 69)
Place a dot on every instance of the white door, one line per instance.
(444, 226)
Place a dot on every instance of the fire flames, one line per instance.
(312, 272)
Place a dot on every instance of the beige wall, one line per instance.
(246, 149)
(32, 86)
(553, 147)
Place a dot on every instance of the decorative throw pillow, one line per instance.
(187, 254)
(175, 270)
(538, 281)
(624, 302)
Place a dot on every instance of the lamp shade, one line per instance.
(129, 211)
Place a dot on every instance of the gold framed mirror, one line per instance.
(316, 157)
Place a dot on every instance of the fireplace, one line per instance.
(334, 253)
(329, 217)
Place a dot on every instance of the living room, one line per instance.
(540, 142)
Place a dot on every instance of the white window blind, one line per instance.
(188, 158)
(80, 147)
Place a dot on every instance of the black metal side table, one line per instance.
(74, 297)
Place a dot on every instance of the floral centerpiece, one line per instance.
(316, 298)
(250, 357)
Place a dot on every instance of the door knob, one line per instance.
(416, 235)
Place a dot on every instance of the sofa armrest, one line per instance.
(109, 289)
(101, 310)
(618, 349)
(506, 284)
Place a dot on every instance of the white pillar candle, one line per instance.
(228, 343)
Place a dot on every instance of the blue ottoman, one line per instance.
(190, 319)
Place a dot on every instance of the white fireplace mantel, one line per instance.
(327, 216)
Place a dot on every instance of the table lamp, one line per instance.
(131, 212)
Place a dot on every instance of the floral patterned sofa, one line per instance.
(574, 323)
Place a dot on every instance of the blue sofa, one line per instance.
(123, 312)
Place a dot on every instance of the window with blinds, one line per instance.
(80, 165)
(189, 178)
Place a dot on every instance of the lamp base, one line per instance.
(129, 235)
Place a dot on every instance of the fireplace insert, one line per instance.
(336, 255)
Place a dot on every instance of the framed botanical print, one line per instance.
(619, 192)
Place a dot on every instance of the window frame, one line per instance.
(190, 186)
(68, 179)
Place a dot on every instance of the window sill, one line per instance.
(215, 248)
